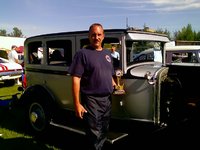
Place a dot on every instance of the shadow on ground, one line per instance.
(12, 118)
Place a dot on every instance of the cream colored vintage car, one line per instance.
(183, 55)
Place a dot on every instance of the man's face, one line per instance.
(113, 48)
(15, 48)
(96, 36)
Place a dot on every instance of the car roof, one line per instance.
(183, 47)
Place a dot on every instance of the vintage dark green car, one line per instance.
(151, 93)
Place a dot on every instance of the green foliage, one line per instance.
(16, 32)
(167, 32)
(3, 32)
(187, 34)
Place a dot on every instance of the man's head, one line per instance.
(96, 35)
(13, 47)
(113, 48)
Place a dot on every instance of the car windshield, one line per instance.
(143, 51)
(2, 60)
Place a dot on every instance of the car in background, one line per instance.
(9, 72)
(4, 54)
(148, 55)
(183, 55)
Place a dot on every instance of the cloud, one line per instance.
(176, 5)
(157, 5)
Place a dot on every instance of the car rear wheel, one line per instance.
(38, 110)
(37, 117)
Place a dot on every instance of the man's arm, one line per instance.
(80, 110)
(113, 83)
(15, 57)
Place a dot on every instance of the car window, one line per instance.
(4, 53)
(34, 53)
(59, 52)
(1, 60)
(182, 57)
(143, 51)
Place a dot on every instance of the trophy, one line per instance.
(119, 88)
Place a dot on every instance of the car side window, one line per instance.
(59, 52)
(190, 58)
(35, 51)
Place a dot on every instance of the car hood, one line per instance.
(141, 71)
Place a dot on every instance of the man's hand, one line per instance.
(80, 110)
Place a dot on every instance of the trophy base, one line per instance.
(119, 92)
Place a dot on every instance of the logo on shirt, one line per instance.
(108, 58)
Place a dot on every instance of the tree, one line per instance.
(3, 32)
(167, 32)
(198, 36)
(186, 34)
(16, 33)
(146, 28)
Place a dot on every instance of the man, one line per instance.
(12, 55)
(114, 53)
(92, 72)
(115, 56)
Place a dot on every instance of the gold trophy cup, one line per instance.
(119, 88)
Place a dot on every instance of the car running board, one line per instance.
(111, 138)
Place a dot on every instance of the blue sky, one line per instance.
(35, 17)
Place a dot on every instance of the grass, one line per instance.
(12, 133)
